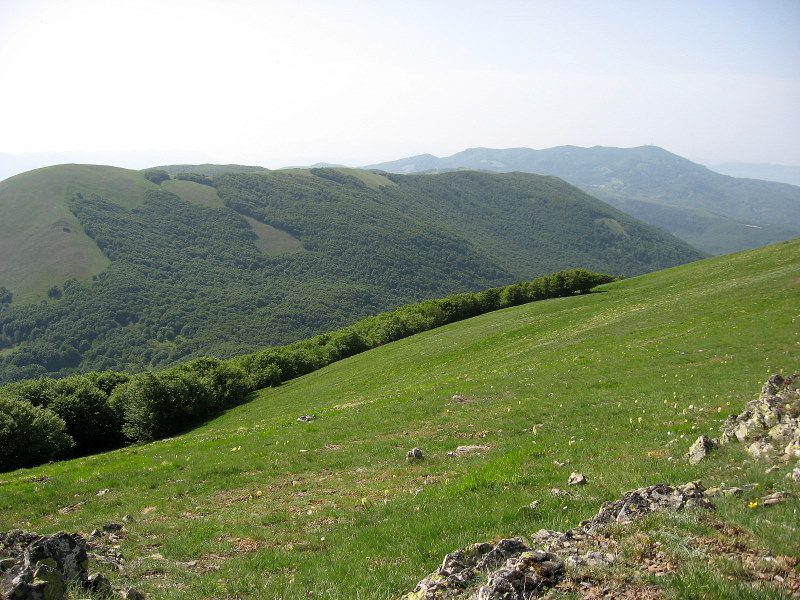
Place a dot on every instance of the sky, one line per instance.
(294, 83)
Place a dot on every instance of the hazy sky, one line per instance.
(280, 83)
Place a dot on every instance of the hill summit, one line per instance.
(713, 212)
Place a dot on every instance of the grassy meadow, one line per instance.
(254, 504)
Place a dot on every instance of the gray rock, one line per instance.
(131, 594)
(99, 584)
(577, 479)
(306, 418)
(65, 552)
(760, 449)
(700, 449)
(414, 454)
(795, 474)
(772, 416)
(523, 577)
(470, 449)
(458, 398)
(41, 582)
(773, 499)
(654, 498)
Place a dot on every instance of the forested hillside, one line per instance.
(229, 264)
(713, 212)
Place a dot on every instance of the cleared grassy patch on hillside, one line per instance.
(270, 507)
(42, 243)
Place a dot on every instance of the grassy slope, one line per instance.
(35, 221)
(679, 348)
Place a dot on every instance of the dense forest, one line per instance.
(187, 280)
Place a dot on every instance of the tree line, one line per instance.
(45, 419)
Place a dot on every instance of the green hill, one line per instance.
(227, 265)
(713, 212)
(617, 384)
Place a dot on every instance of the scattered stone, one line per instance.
(99, 584)
(577, 479)
(128, 519)
(771, 469)
(773, 499)
(131, 594)
(414, 454)
(112, 527)
(533, 505)
(71, 508)
(103, 492)
(6, 563)
(464, 450)
(698, 451)
(558, 463)
(733, 491)
(458, 398)
(306, 418)
(559, 492)
(795, 473)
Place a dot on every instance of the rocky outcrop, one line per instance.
(515, 571)
(654, 498)
(770, 424)
(41, 567)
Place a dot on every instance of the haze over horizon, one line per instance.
(275, 84)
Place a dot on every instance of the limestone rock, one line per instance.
(414, 454)
(654, 498)
(774, 415)
(523, 577)
(760, 449)
(773, 499)
(470, 449)
(577, 479)
(698, 451)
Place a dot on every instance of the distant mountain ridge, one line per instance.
(160, 271)
(713, 212)
(781, 173)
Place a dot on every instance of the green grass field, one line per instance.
(272, 508)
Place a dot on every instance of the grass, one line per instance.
(272, 508)
(38, 229)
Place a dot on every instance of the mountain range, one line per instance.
(713, 212)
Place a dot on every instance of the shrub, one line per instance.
(89, 419)
(30, 435)
(196, 177)
(156, 175)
